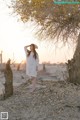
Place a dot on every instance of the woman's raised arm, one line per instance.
(25, 48)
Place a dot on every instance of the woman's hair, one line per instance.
(35, 53)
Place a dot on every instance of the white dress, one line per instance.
(32, 64)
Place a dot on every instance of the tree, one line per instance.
(55, 21)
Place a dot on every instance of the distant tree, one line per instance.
(55, 21)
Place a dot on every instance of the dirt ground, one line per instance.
(58, 100)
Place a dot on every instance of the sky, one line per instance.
(14, 35)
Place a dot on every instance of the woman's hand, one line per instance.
(27, 46)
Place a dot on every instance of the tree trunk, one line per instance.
(74, 65)
(8, 81)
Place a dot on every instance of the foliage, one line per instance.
(54, 20)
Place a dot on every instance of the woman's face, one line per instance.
(31, 47)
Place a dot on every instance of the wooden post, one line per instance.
(1, 57)
(18, 67)
(44, 67)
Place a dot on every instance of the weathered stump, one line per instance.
(8, 81)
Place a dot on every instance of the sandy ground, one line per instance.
(53, 73)
(53, 99)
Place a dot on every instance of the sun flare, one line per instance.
(14, 35)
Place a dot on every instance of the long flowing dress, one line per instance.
(32, 64)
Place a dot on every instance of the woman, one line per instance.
(32, 64)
